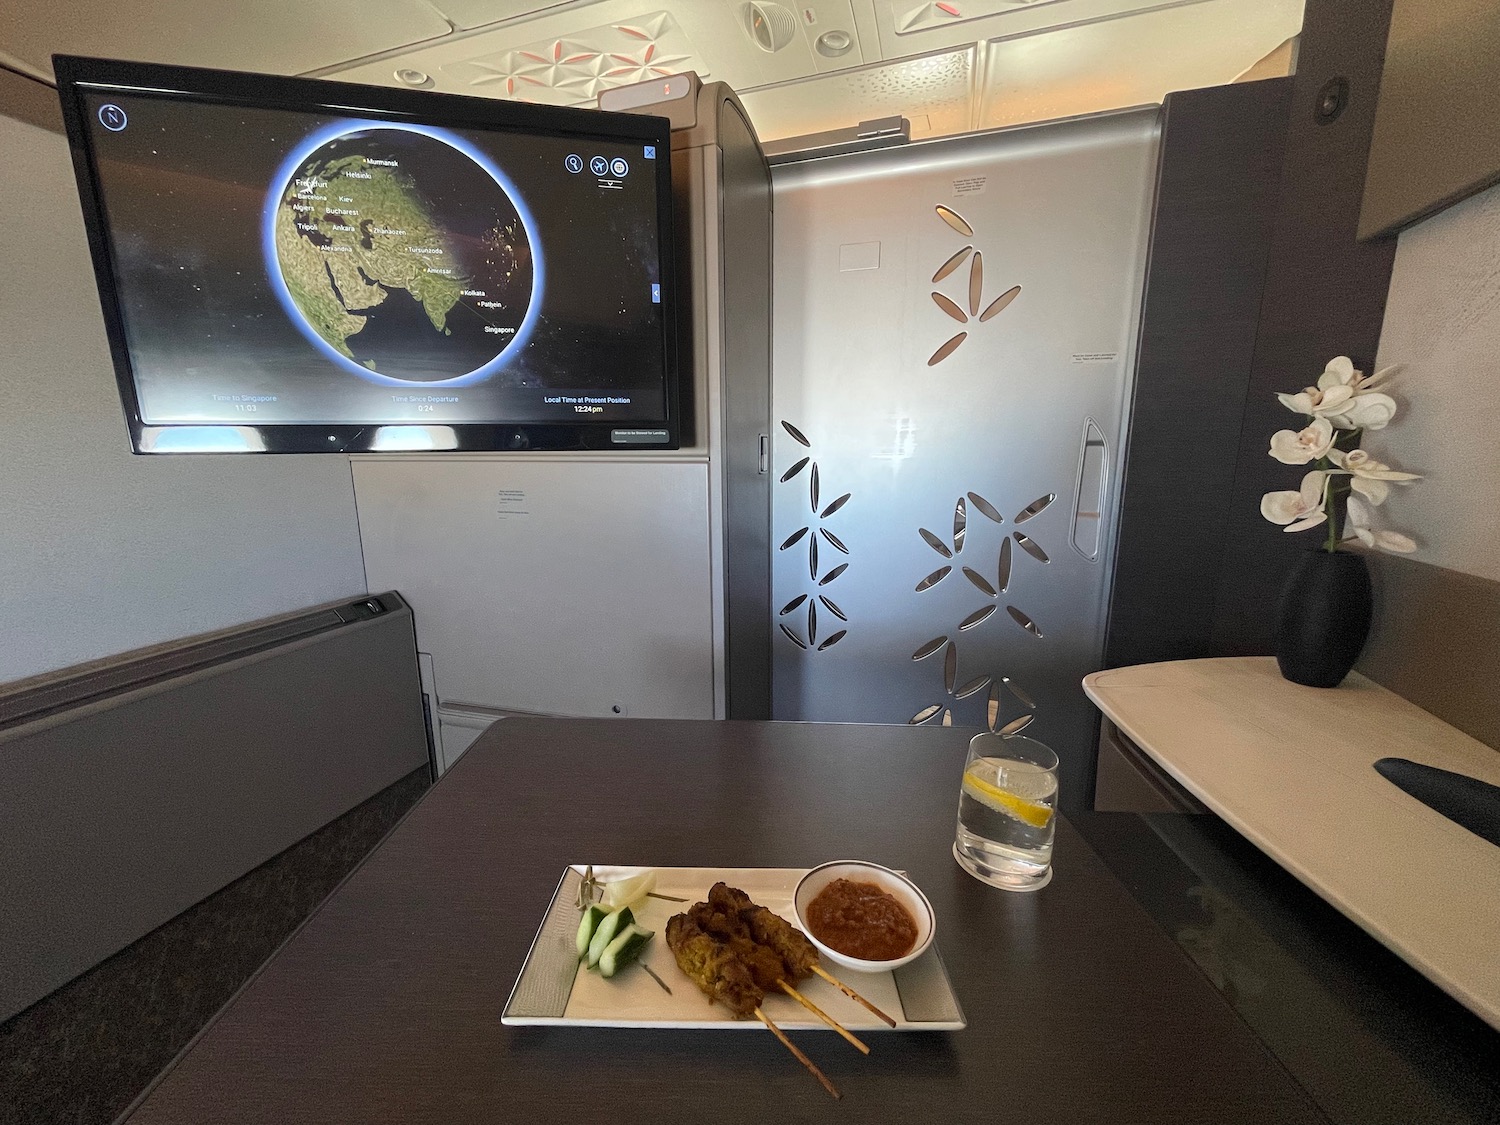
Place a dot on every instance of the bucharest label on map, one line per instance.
(402, 256)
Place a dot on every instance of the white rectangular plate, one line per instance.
(554, 989)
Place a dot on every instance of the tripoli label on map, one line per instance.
(402, 255)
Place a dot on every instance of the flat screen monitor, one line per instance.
(289, 265)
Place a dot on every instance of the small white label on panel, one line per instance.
(512, 502)
(1095, 357)
(970, 185)
(859, 256)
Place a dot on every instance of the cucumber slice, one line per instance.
(606, 932)
(592, 916)
(624, 949)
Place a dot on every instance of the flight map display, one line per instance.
(274, 266)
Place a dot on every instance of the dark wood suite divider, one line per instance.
(167, 817)
(1255, 279)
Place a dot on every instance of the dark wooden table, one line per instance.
(386, 1006)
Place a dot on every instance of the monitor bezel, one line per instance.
(77, 75)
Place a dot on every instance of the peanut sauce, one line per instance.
(861, 920)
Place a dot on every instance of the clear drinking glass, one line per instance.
(1007, 812)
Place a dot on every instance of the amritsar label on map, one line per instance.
(402, 255)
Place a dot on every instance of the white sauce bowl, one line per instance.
(892, 882)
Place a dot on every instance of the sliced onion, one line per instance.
(628, 892)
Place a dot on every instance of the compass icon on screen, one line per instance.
(112, 117)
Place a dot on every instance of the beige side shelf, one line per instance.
(1291, 768)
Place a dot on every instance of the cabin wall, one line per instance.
(1438, 609)
(100, 550)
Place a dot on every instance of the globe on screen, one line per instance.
(403, 255)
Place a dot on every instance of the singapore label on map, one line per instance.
(402, 255)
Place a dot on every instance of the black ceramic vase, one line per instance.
(1325, 618)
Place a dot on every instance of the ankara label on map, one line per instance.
(402, 256)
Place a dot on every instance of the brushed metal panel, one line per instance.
(920, 571)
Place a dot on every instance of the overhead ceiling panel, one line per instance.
(935, 93)
(476, 13)
(567, 55)
(909, 27)
(271, 36)
(1132, 60)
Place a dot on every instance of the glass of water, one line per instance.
(1007, 812)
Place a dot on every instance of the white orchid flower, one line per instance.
(1318, 401)
(1299, 510)
(1341, 372)
(1301, 446)
(1370, 476)
(1368, 411)
(1357, 526)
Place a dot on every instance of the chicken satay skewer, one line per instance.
(712, 966)
(803, 1059)
(791, 944)
(824, 1016)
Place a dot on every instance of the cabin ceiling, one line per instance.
(950, 66)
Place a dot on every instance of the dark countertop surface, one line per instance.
(1169, 973)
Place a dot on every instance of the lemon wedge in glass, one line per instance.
(986, 792)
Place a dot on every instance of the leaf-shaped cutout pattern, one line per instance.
(835, 506)
(992, 706)
(929, 648)
(981, 583)
(978, 684)
(951, 308)
(832, 574)
(812, 556)
(1036, 507)
(935, 543)
(812, 623)
(947, 718)
(950, 667)
(833, 640)
(1004, 574)
(955, 220)
(1031, 547)
(976, 282)
(796, 433)
(793, 604)
(951, 264)
(999, 303)
(812, 488)
(795, 469)
(1018, 692)
(960, 525)
(947, 349)
(924, 714)
(934, 578)
(1023, 621)
(796, 640)
(834, 540)
(832, 608)
(792, 539)
(975, 618)
(986, 509)
(1017, 725)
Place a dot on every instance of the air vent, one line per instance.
(770, 26)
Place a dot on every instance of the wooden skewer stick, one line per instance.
(803, 1059)
(849, 992)
(824, 1016)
